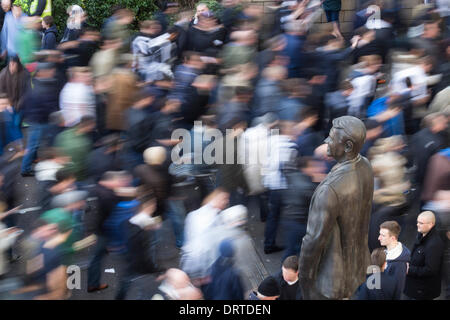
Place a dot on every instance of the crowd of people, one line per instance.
(90, 116)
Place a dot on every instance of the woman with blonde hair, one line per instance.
(75, 22)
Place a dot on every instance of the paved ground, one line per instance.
(143, 287)
(26, 191)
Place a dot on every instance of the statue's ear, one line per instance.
(348, 146)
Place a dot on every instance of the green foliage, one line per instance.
(214, 6)
(99, 10)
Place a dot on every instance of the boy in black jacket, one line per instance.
(378, 285)
(50, 33)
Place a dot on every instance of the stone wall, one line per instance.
(347, 13)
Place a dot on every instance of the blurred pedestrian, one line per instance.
(39, 103)
(226, 283)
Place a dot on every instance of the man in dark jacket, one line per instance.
(427, 142)
(397, 255)
(40, 102)
(288, 280)
(295, 202)
(50, 33)
(140, 239)
(105, 158)
(226, 282)
(106, 201)
(335, 254)
(154, 176)
(423, 273)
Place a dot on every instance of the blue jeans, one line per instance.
(294, 232)
(176, 213)
(36, 132)
(273, 217)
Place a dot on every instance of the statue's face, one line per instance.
(336, 147)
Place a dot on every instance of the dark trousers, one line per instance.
(273, 217)
(95, 265)
(263, 200)
(124, 274)
(294, 232)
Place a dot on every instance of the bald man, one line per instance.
(177, 286)
(423, 273)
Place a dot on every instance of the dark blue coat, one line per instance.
(387, 290)
(41, 101)
(226, 283)
(423, 280)
(397, 269)
(49, 38)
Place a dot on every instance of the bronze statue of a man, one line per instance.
(335, 254)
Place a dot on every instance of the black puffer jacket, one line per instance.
(423, 280)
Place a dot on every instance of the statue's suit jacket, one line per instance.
(335, 255)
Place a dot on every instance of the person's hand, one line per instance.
(391, 113)
(13, 230)
(407, 267)
(355, 41)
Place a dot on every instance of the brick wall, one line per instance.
(347, 13)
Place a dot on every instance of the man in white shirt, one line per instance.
(199, 240)
(397, 255)
(77, 98)
(282, 153)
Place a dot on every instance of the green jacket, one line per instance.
(77, 147)
(65, 222)
(27, 43)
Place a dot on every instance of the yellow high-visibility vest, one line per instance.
(47, 11)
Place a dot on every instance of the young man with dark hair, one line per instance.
(287, 279)
(397, 255)
(50, 33)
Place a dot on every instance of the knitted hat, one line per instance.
(269, 287)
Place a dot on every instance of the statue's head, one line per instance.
(346, 138)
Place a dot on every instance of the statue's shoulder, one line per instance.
(365, 163)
